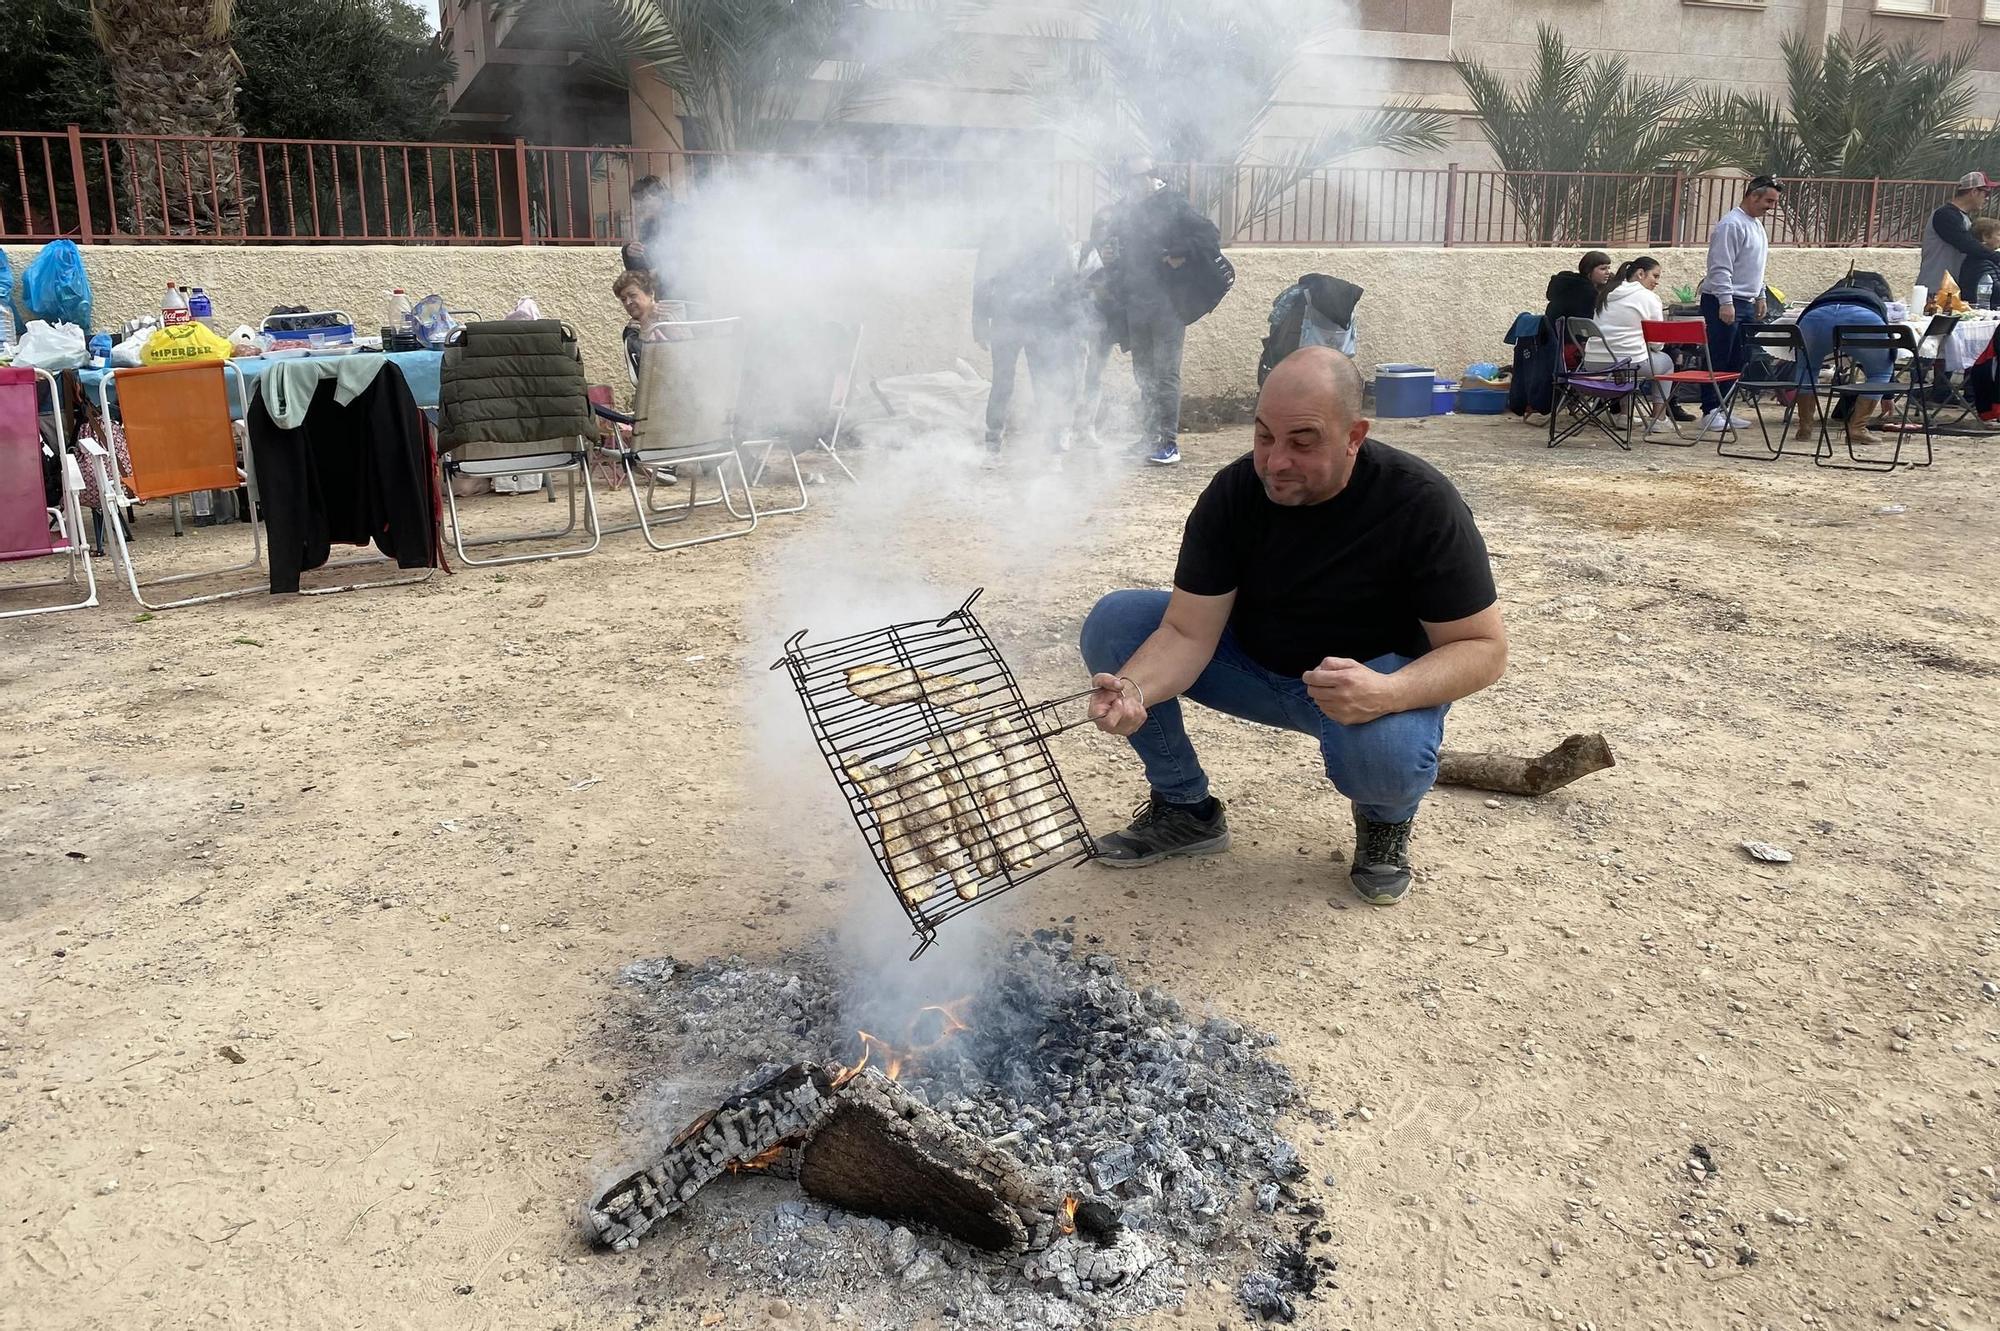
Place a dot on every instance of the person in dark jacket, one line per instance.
(1571, 295)
(1100, 320)
(1023, 305)
(1861, 300)
(1154, 233)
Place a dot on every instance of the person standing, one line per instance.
(1732, 292)
(1023, 306)
(1156, 233)
(1948, 238)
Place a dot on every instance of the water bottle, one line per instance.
(199, 308)
(1982, 295)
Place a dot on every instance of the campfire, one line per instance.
(855, 1140)
(1058, 1149)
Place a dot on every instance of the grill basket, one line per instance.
(944, 765)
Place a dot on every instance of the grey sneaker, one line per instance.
(1381, 869)
(1161, 831)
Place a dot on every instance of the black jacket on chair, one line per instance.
(350, 475)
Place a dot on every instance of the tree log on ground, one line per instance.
(882, 1153)
(1577, 756)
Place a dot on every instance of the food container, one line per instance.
(1404, 390)
(1482, 401)
(1444, 397)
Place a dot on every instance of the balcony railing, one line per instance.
(118, 188)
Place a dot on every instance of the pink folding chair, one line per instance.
(30, 528)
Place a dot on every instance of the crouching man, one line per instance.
(1327, 584)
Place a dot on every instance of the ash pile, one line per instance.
(1160, 1131)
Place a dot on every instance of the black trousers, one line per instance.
(1051, 357)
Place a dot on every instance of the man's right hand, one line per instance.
(1726, 311)
(1115, 705)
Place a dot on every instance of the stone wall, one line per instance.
(1437, 307)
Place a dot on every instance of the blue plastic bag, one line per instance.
(7, 316)
(54, 287)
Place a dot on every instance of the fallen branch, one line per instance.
(1577, 756)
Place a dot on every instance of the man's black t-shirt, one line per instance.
(1349, 577)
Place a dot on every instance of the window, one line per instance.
(1989, 11)
(1910, 6)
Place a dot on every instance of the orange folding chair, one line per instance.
(181, 441)
(30, 527)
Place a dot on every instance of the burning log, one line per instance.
(883, 1153)
(749, 1132)
(1577, 756)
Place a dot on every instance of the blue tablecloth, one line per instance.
(421, 370)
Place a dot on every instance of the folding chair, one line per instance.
(31, 527)
(689, 386)
(1765, 341)
(1687, 340)
(1591, 398)
(1931, 346)
(1912, 387)
(512, 399)
(182, 441)
(843, 346)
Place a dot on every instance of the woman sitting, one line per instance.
(1863, 299)
(1579, 295)
(1634, 300)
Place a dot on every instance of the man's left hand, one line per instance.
(1349, 692)
(1759, 308)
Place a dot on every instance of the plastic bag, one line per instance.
(54, 287)
(527, 309)
(184, 344)
(52, 347)
(431, 321)
(247, 341)
(7, 324)
(130, 353)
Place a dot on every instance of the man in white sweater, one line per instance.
(1732, 292)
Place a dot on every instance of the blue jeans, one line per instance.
(1816, 328)
(1725, 342)
(1384, 766)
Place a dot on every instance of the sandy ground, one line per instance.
(322, 1033)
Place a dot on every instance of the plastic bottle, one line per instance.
(200, 308)
(173, 307)
(396, 309)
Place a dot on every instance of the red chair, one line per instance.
(1684, 333)
(31, 528)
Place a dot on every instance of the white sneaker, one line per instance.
(1536, 418)
(1655, 426)
(1716, 422)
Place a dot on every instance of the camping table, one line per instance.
(421, 370)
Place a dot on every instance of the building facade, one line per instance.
(521, 75)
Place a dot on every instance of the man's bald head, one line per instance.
(1309, 426)
(1321, 372)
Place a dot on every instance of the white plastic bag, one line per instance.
(527, 309)
(47, 346)
(131, 353)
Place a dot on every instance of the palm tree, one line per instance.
(1574, 113)
(173, 71)
(1858, 110)
(1193, 82)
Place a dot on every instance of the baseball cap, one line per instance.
(1973, 180)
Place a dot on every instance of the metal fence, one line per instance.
(121, 188)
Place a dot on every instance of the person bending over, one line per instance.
(1329, 584)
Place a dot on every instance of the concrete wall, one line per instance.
(1437, 307)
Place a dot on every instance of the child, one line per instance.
(1978, 276)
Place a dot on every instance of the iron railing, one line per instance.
(123, 188)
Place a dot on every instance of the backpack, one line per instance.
(1328, 301)
(1199, 285)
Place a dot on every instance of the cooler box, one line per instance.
(1404, 390)
(1444, 397)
